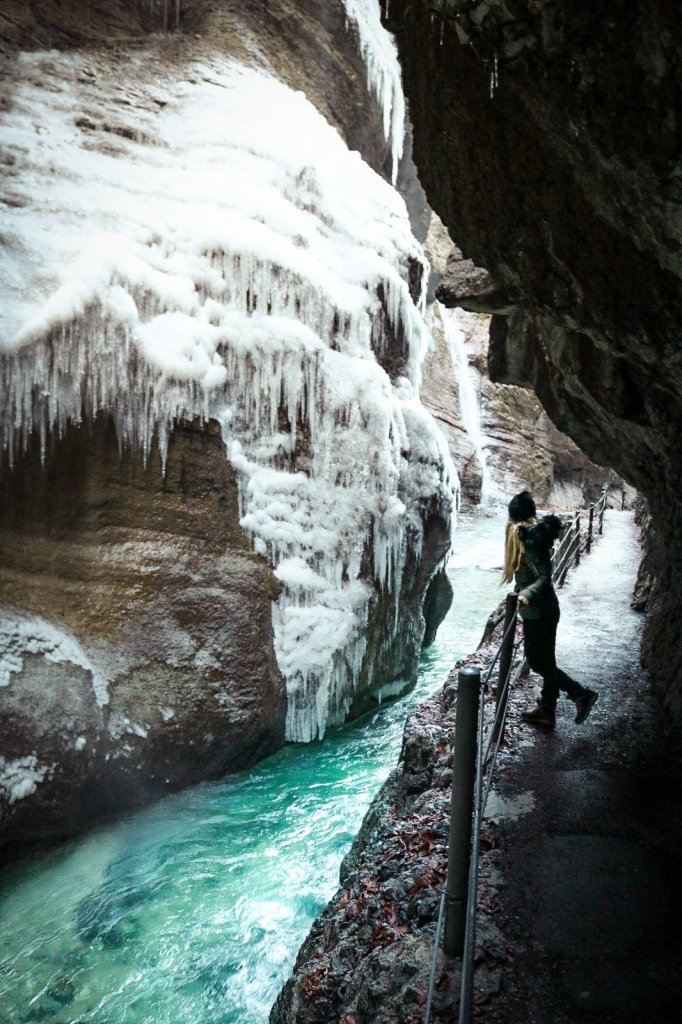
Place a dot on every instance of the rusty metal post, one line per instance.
(506, 655)
(577, 538)
(601, 511)
(461, 809)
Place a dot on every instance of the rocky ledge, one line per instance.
(368, 957)
(547, 140)
(136, 651)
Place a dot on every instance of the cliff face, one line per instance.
(137, 636)
(547, 139)
(192, 237)
(510, 444)
(308, 49)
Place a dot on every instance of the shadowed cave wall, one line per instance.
(547, 137)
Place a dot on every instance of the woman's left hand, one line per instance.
(523, 601)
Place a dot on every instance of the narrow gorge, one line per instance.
(287, 289)
(213, 327)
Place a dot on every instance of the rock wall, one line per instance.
(547, 140)
(309, 49)
(523, 448)
(141, 657)
(256, 296)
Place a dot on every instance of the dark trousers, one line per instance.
(539, 643)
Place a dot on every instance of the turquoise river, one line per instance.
(192, 911)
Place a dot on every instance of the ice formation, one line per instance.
(469, 404)
(383, 72)
(227, 256)
(20, 778)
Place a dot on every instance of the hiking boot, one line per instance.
(540, 715)
(584, 704)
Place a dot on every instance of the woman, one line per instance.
(527, 561)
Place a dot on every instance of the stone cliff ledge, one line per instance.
(138, 653)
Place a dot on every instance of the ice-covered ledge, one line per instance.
(227, 256)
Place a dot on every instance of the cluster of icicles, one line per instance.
(257, 286)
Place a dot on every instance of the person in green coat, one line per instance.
(528, 562)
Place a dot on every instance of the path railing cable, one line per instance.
(474, 760)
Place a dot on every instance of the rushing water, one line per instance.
(191, 912)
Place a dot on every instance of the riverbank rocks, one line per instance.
(368, 957)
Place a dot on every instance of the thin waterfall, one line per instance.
(469, 401)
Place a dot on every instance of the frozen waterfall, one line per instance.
(469, 403)
(383, 72)
(210, 247)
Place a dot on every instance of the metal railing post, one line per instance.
(602, 502)
(506, 655)
(461, 809)
(588, 547)
(577, 538)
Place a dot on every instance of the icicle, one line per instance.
(231, 318)
(383, 72)
(493, 76)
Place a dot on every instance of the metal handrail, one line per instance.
(486, 755)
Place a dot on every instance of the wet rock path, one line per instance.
(586, 828)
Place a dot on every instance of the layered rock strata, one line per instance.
(137, 648)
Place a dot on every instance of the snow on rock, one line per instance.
(228, 257)
(22, 635)
(19, 778)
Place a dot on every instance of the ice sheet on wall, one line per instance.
(211, 248)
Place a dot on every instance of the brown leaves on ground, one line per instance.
(387, 930)
(313, 983)
(431, 877)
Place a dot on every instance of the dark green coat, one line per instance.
(533, 580)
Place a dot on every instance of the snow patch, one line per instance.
(20, 778)
(138, 730)
(22, 635)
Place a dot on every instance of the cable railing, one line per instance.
(474, 759)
